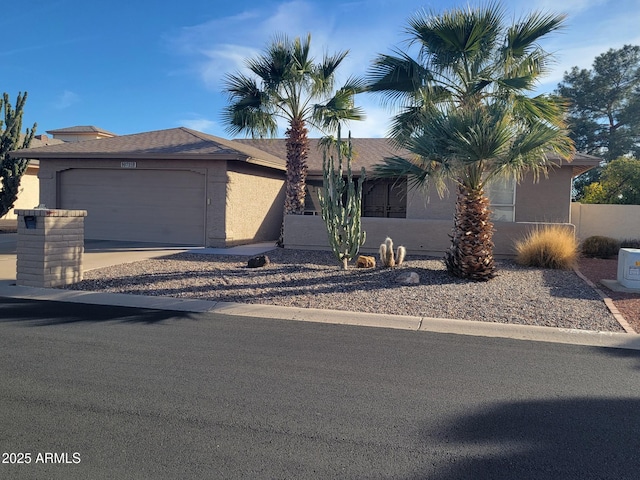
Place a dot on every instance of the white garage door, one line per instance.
(166, 206)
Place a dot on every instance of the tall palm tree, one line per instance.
(285, 83)
(465, 115)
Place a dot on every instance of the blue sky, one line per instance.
(141, 65)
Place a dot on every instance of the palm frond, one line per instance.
(397, 77)
(522, 37)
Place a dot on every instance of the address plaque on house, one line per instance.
(128, 165)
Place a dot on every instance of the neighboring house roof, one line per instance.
(175, 143)
(371, 151)
(43, 140)
(81, 129)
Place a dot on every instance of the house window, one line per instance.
(502, 197)
(311, 200)
(380, 198)
(384, 198)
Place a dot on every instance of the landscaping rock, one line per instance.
(364, 261)
(259, 261)
(408, 278)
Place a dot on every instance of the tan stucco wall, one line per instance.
(419, 237)
(255, 199)
(616, 221)
(547, 200)
(28, 196)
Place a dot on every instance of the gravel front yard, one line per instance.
(312, 279)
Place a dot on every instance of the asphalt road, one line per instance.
(93, 392)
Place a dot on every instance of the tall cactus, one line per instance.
(341, 204)
(12, 169)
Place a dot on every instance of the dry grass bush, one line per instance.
(548, 247)
(599, 246)
(630, 243)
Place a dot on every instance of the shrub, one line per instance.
(550, 246)
(600, 247)
(630, 243)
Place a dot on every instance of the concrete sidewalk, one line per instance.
(104, 254)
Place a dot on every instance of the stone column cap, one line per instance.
(49, 212)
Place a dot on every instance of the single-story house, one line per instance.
(186, 187)
(175, 186)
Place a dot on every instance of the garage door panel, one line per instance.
(138, 205)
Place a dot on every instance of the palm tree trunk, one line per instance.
(470, 255)
(297, 152)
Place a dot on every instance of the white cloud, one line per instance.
(377, 121)
(200, 124)
(66, 99)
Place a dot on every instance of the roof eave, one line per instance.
(146, 156)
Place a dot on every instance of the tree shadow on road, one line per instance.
(48, 313)
(579, 438)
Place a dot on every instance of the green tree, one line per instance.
(285, 83)
(604, 111)
(12, 169)
(465, 114)
(619, 183)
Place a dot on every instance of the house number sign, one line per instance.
(127, 164)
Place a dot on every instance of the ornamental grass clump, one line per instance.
(548, 247)
(599, 246)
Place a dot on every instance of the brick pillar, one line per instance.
(50, 247)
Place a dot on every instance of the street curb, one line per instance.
(609, 303)
(335, 317)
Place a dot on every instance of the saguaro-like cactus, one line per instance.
(341, 203)
(12, 169)
(387, 257)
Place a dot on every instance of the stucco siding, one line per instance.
(254, 205)
(419, 237)
(548, 200)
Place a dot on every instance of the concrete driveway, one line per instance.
(98, 253)
(105, 253)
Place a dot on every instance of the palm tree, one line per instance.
(285, 83)
(465, 115)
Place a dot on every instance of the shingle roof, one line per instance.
(175, 143)
(366, 151)
(186, 144)
(371, 151)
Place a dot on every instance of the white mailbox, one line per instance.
(629, 267)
